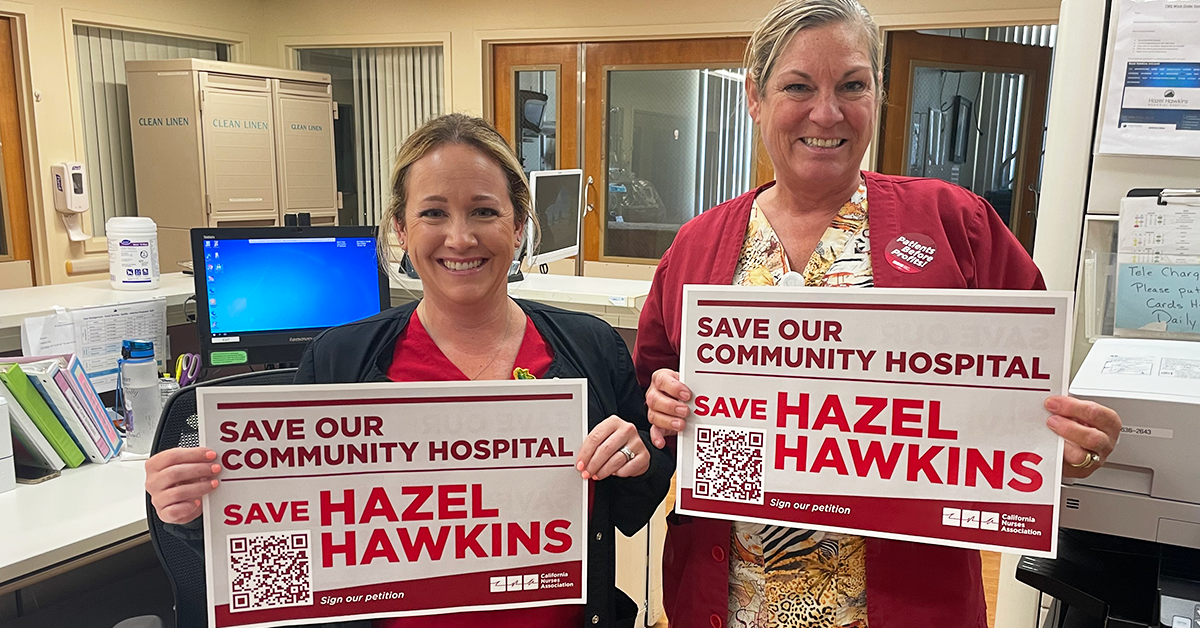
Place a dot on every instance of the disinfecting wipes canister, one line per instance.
(132, 253)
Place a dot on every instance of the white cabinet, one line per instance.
(220, 144)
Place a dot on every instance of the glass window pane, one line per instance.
(678, 142)
(536, 123)
(966, 129)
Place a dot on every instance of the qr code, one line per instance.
(269, 570)
(729, 464)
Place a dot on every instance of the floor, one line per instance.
(991, 582)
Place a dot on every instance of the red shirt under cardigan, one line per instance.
(909, 585)
(416, 358)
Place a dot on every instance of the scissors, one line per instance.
(187, 369)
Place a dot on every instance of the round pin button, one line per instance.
(910, 253)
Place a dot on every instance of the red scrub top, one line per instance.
(417, 359)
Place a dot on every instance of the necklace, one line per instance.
(507, 329)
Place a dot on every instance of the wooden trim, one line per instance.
(563, 59)
(16, 199)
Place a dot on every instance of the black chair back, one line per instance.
(177, 428)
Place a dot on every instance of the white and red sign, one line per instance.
(903, 414)
(389, 500)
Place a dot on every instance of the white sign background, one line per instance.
(460, 489)
(989, 413)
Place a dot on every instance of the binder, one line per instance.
(76, 386)
(82, 385)
(42, 416)
(33, 448)
(85, 435)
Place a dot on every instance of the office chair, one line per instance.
(531, 106)
(177, 428)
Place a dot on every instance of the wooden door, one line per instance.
(16, 242)
(548, 111)
(628, 134)
(1006, 131)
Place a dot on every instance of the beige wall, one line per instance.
(46, 62)
(467, 24)
(262, 29)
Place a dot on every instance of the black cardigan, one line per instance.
(584, 346)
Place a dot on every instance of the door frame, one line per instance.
(20, 221)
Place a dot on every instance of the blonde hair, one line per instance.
(454, 128)
(790, 17)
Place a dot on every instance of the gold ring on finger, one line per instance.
(1090, 459)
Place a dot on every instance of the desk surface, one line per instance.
(618, 301)
(17, 304)
(82, 511)
(21, 303)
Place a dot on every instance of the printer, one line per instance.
(1129, 543)
(1149, 488)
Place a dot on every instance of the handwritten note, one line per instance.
(1159, 297)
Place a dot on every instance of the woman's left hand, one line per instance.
(601, 454)
(1088, 427)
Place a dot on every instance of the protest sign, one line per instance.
(903, 414)
(385, 500)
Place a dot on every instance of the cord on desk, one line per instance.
(191, 318)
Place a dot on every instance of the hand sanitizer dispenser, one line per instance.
(70, 196)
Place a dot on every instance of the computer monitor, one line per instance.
(263, 293)
(557, 199)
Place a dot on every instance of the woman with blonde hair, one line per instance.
(459, 205)
(813, 89)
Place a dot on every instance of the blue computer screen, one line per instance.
(289, 283)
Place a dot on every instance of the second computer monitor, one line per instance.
(557, 199)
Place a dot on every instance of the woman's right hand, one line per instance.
(177, 478)
(665, 405)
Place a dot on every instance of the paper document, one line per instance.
(1153, 233)
(1153, 102)
(53, 334)
(1158, 265)
(95, 334)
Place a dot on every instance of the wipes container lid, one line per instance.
(130, 225)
